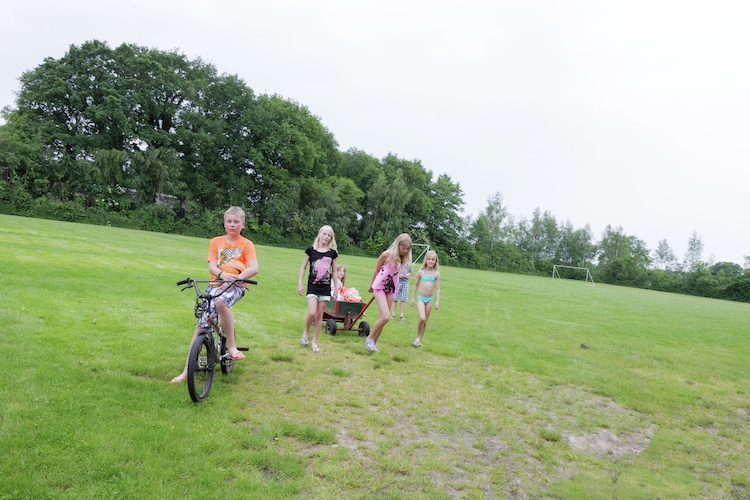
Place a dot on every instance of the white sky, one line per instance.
(631, 113)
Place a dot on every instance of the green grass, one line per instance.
(526, 387)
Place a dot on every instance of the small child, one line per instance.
(383, 287)
(428, 284)
(402, 295)
(321, 282)
(341, 275)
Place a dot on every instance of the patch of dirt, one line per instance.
(603, 442)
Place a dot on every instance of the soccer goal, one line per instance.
(572, 272)
(422, 248)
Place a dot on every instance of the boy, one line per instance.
(222, 249)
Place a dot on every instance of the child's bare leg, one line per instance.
(422, 324)
(312, 311)
(384, 306)
(227, 324)
(421, 321)
(183, 376)
(318, 324)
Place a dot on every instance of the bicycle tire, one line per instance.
(200, 374)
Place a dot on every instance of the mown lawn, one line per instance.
(527, 387)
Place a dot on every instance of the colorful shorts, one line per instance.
(403, 291)
(229, 297)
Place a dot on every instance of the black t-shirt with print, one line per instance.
(319, 279)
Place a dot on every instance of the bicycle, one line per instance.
(210, 346)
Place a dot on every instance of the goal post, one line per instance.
(575, 271)
(422, 248)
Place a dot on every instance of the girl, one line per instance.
(384, 280)
(341, 275)
(428, 283)
(321, 282)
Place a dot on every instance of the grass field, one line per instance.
(527, 387)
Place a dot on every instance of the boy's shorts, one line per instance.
(230, 297)
(403, 291)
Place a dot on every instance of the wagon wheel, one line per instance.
(331, 326)
(364, 329)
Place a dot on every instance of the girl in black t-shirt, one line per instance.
(322, 258)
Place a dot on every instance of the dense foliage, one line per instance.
(142, 138)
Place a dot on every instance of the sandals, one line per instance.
(304, 340)
(370, 344)
(417, 343)
(315, 348)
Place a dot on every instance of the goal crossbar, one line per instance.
(556, 272)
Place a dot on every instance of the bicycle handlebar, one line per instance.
(191, 280)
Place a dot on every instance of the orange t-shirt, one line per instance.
(221, 251)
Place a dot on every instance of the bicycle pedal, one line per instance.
(243, 348)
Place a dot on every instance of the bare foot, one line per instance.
(237, 355)
(178, 379)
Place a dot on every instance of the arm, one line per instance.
(378, 265)
(416, 286)
(437, 290)
(250, 271)
(214, 269)
(300, 287)
(335, 277)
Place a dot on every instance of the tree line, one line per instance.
(148, 139)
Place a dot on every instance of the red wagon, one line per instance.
(346, 313)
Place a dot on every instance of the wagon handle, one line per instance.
(362, 312)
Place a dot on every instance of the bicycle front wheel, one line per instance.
(200, 372)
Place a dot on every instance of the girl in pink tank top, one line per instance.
(385, 282)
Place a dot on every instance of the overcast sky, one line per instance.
(631, 113)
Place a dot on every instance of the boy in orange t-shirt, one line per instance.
(222, 249)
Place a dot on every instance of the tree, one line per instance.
(538, 238)
(443, 224)
(575, 247)
(622, 259)
(385, 201)
(664, 257)
(495, 215)
(694, 252)
(289, 143)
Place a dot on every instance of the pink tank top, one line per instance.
(386, 278)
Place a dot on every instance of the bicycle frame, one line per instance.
(209, 347)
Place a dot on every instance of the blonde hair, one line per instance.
(395, 255)
(236, 211)
(430, 253)
(337, 272)
(331, 244)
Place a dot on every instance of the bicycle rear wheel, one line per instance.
(200, 372)
(226, 360)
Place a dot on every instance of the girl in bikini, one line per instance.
(426, 288)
